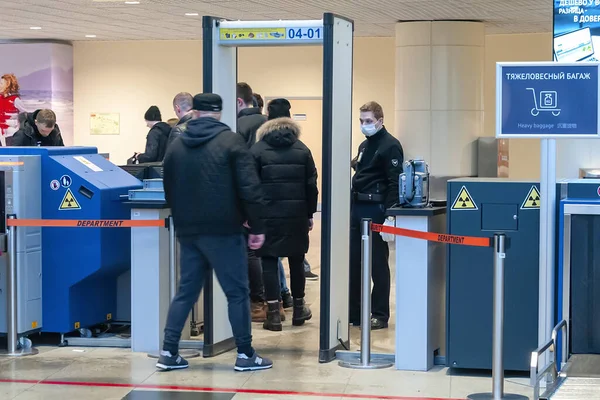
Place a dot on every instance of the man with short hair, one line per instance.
(374, 190)
(38, 129)
(182, 105)
(250, 118)
(213, 189)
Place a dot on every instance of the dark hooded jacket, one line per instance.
(210, 181)
(178, 128)
(156, 143)
(248, 122)
(289, 178)
(28, 134)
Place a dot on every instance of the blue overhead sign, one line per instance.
(547, 100)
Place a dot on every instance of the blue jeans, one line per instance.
(227, 256)
(282, 281)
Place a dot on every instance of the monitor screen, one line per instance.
(574, 46)
(576, 30)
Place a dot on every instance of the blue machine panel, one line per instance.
(492, 206)
(80, 266)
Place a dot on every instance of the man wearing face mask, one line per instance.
(374, 189)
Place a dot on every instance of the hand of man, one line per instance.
(388, 237)
(311, 224)
(245, 224)
(255, 242)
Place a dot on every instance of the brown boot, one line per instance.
(281, 311)
(259, 312)
(273, 322)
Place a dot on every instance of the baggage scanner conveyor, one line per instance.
(576, 339)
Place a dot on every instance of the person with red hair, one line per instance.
(10, 106)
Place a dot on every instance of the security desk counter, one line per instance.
(420, 289)
(151, 281)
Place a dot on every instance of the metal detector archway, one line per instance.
(221, 38)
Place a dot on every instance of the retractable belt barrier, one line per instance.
(498, 243)
(87, 223)
(434, 237)
(12, 222)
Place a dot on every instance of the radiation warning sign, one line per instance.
(69, 202)
(532, 201)
(464, 201)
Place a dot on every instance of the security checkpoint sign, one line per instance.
(547, 100)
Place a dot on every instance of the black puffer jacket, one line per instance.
(248, 122)
(210, 181)
(28, 134)
(289, 177)
(156, 143)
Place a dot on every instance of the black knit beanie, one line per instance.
(279, 108)
(153, 114)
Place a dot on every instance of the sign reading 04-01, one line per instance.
(239, 33)
(547, 100)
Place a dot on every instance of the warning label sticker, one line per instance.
(532, 201)
(464, 201)
(69, 202)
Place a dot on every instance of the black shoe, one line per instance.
(288, 302)
(168, 362)
(301, 313)
(310, 276)
(377, 324)
(273, 322)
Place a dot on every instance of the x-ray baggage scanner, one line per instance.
(221, 38)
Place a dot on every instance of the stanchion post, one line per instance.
(364, 361)
(498, 327)
(12, 327)
(172, 259)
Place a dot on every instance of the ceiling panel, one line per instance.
(166, 19)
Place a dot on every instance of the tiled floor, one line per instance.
(104, 373)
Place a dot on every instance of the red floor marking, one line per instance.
(219, 390)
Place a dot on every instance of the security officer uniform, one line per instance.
(374, 190)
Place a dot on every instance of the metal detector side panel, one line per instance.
(22, 196)
(337, 152)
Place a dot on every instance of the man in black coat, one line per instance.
(249, 119)
(289, 176)
(182, 105)
(156, 141)
(38, 129)
(212, 188)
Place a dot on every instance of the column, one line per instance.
(439, 93)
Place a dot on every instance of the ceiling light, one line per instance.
(90, 36)
(36, 28)
(132, 2)
(191, 14)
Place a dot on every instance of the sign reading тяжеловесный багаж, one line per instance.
(547, 100)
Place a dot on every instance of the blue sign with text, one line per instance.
(546, 100)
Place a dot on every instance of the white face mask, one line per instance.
(370, 129)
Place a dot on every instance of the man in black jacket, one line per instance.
(249, 120)
(39, 129)
(158, 136)
(182, 105)
(374, 190)
(212, 187)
